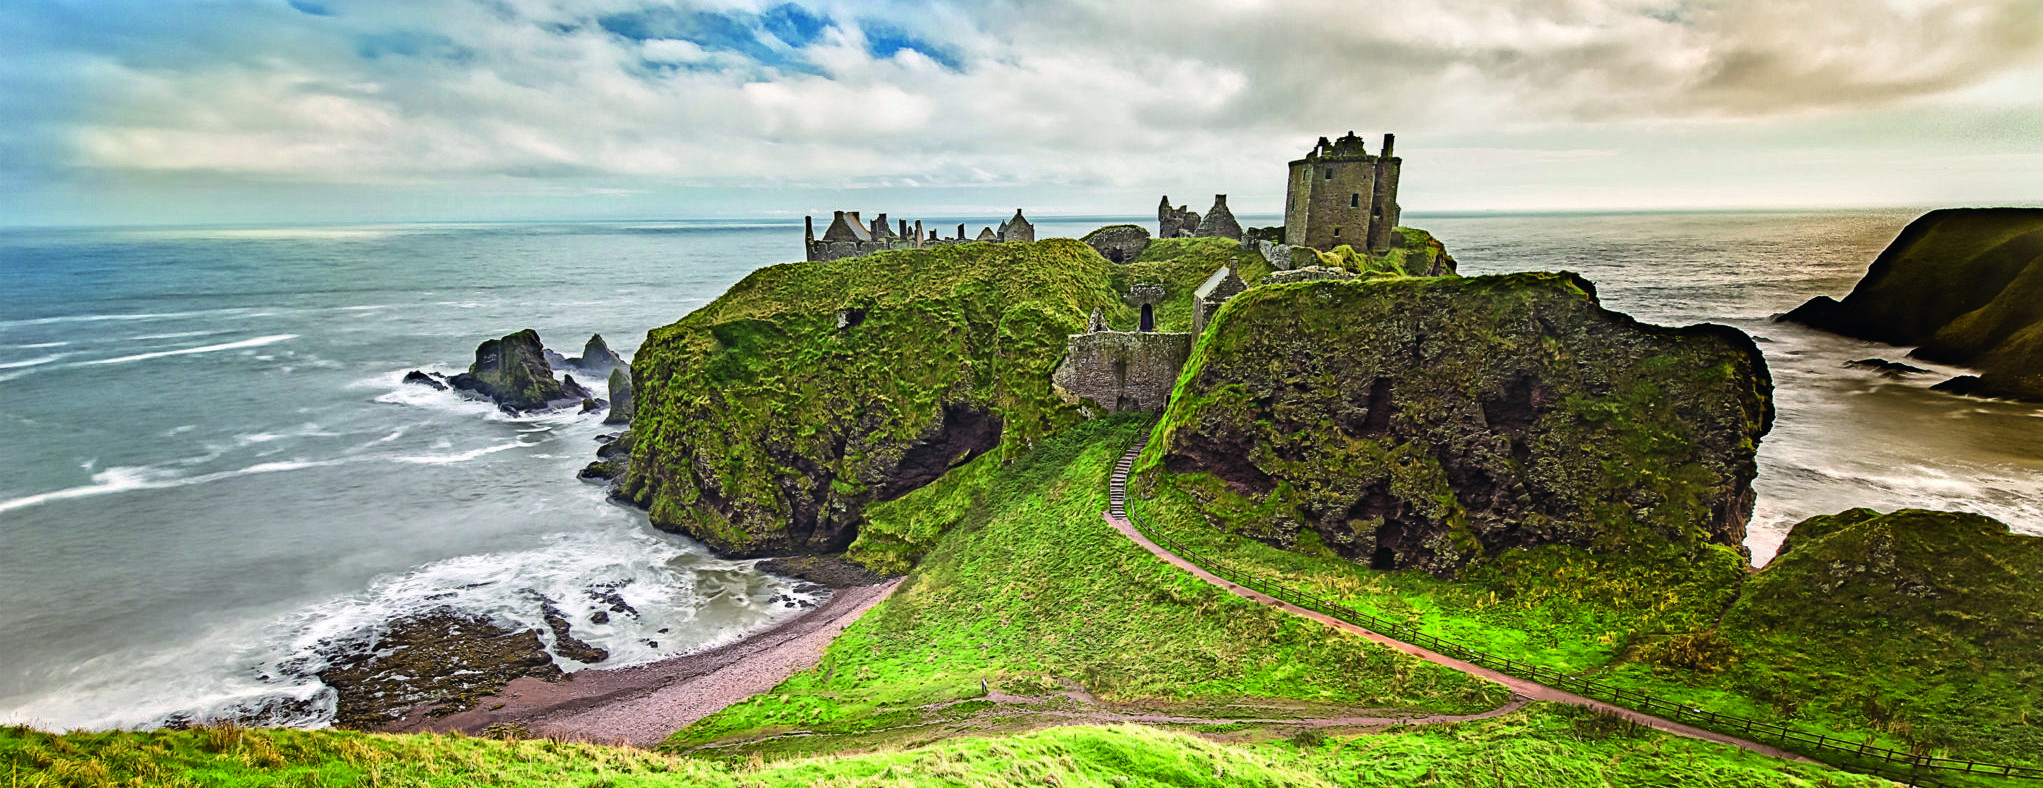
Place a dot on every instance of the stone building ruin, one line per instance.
(1182, 222)
(850, 236)
(1339, 194)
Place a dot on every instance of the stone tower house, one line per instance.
(1339, 194)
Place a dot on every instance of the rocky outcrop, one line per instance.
(621, 406)
(770, 418)
(430, 380)
(1965, 286)
(1119, 243)
(597, 358)
(1429, 423)
(513, 373)
(442, 657)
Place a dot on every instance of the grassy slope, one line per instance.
(1947, 664)
(1540, 746)
(1944, 264)
(1031, 582)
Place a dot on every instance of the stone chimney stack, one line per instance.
(808, 229)
(1388, 141)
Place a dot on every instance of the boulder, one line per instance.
(1431, 423)
(513, 373)
(621, 406)
(1965, 286)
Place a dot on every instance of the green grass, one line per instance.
(1031, 582)
(1540, 746)
(1954, 672)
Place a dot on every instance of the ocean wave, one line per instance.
(121, 479)
(97, 318)
(33, 362)
(245, 343)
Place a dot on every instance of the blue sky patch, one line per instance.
(883, 39)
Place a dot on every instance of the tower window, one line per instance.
(1337, 232)
(1354, 200)
(1330, 173)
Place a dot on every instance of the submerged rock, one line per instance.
(1429, 423)
(443, 657)
(1890, 369)
(513, 373)
(564, 641)
(1965, 286)
(428, 379)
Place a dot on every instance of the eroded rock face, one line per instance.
(770, 418)
(1425, 424)
(513, 373)
(1966, 287)
(443, 657)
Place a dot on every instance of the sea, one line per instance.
(215, 478)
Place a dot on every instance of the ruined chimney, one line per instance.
(1323, 145)
(961, 231)
(918, 233)
(1219, 201)
(808, 229)
(1388, 141)
(904, 229)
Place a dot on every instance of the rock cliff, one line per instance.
(1428, 423)
(768, 419)
(1966, 286)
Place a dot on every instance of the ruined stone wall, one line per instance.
(1338, 212)
(837, 250)
(1122, 371)
(1383, 218)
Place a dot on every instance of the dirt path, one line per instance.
(642, 705)
(1517, 685)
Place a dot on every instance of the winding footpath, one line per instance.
(1116, 516)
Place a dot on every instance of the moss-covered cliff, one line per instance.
(769, 418)
(1966, 285)
(1427, 423)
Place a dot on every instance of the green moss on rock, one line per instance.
(768, 419)
(1429, 423)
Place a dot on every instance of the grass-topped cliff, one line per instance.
(769, 418)
(1966, 286)
(1433, 422)
(767, 421)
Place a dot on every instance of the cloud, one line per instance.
(1074, 93)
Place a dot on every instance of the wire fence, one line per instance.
(1878, 760)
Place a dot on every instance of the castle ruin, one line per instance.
(1341, 195)
(1182, 222)
(849, 236)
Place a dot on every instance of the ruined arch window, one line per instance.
(1354, 200)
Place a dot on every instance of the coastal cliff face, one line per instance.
(1966, 286)
(1428, 423)
(768, 419)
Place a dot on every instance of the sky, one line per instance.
(337, 111)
